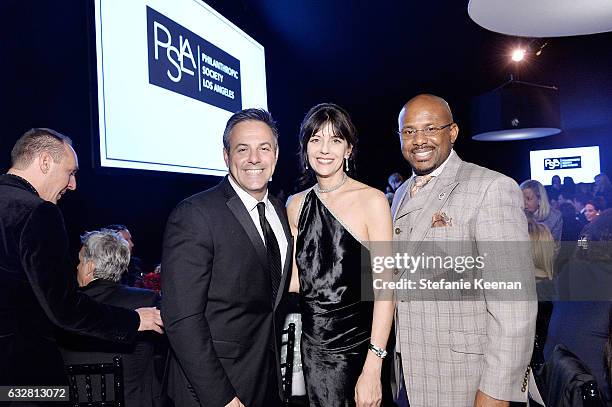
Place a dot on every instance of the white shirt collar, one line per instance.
(249, 202)
(439, 170)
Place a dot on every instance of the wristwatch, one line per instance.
(380, 352)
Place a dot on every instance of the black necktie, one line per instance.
(274, 257)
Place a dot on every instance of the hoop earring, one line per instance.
(346, 164)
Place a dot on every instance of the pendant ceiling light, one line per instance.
(516, 111)
(542, 18)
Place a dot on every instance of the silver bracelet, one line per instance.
(380, 352)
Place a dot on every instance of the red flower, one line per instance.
(152, 281)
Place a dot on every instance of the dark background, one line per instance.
(368, 56)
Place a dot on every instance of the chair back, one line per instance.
(88, 384)
(567, 381)
(287, 366)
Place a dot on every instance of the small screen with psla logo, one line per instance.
(580, 163)
(169, 76)
(562, 163)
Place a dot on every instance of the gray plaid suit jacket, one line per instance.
(451, 347)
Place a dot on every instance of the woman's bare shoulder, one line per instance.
(295, 199)
(368, 195)
(294, 202)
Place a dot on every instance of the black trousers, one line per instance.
(272, 394)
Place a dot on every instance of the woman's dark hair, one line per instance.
(594, 203)
(315, 119)
(597, 236)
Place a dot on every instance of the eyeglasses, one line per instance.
(428, 131)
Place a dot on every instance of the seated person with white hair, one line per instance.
(134, 273)
(103, 258)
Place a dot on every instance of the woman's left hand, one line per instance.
(368, 391)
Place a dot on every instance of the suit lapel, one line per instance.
(406, 203)
(282, 215)
(398, 200)
(436, 199)
(242, 215)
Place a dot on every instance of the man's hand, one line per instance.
(235, 403)
(483, 400)
(150, 320)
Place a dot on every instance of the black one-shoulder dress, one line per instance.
(336, 324)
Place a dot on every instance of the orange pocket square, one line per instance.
(440, 219)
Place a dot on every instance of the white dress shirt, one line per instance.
(251, 206)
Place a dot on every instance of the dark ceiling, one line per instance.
(371, 56)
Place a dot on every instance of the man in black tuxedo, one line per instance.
(103, 258)
(227, 254)
(38, 291)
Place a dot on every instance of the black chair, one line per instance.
(84, 378)
(564, 380)
(288, 365)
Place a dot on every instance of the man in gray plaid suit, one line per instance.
(460, 347)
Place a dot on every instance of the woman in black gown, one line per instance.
(333, 223)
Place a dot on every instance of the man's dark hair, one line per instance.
(35, 141)
(259, 115)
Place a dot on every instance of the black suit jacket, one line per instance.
(140, 384)
(216, 303)
(38, 290)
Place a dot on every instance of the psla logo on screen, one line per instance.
(183, 62)
(562, 163)
(177, 56)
